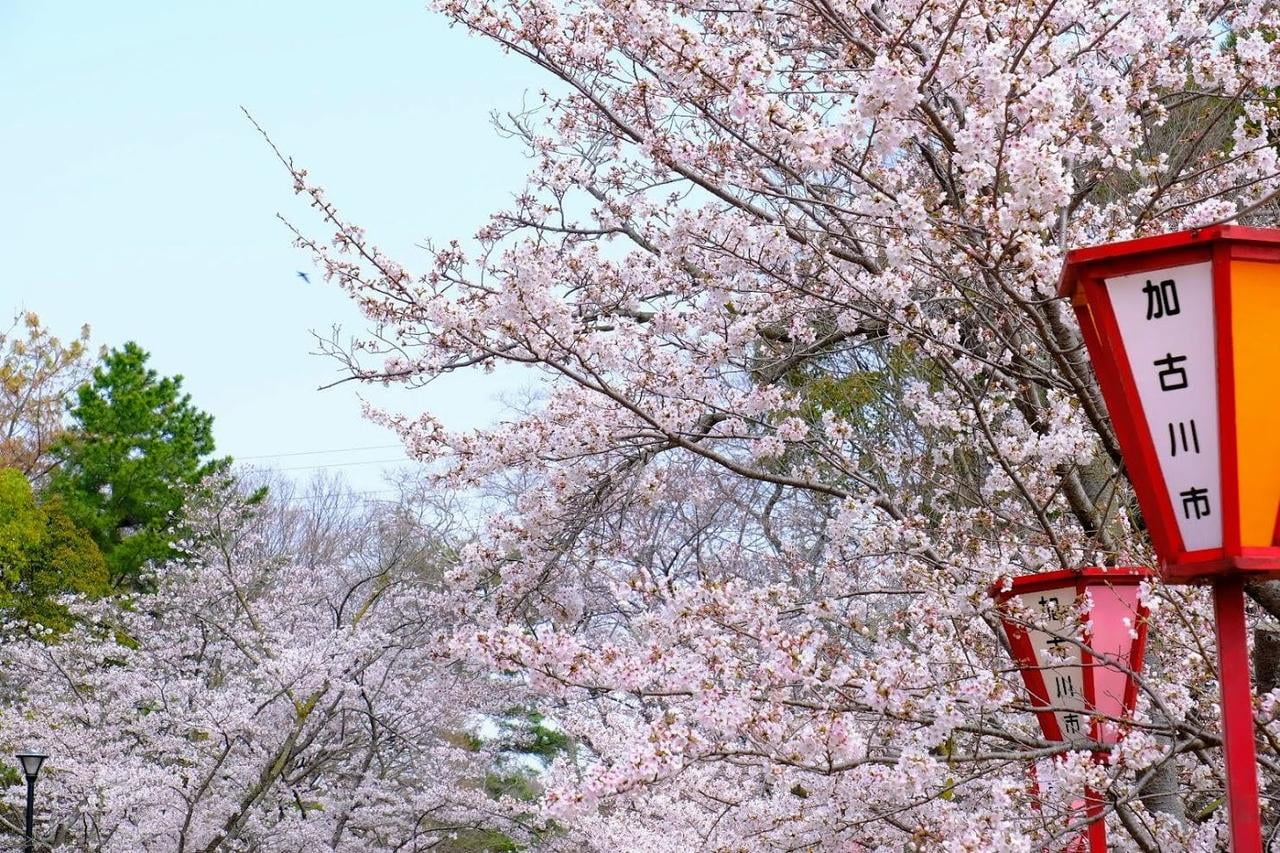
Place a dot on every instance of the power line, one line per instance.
(310, 497)
(319, 452)
(344, 464)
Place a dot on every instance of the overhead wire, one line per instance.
(344, 464)
(353, 462)
(311, 497)
(319, 452)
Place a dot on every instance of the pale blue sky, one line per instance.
(135, 197)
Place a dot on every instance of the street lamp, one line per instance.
(1078, 637)
(31, 761)
(1181, 330)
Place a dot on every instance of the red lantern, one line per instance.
(1078, 638)
(1181, 329)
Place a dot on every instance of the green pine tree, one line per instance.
(135, 450)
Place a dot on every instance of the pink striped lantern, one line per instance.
(1078, 638)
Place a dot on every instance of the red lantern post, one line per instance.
(1181, 332)
(1078, 638)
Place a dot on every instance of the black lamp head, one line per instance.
(31, 761)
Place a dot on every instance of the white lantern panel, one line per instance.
(1167, 326)
(1053, 624)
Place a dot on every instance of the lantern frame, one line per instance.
(1084, 277)
(1032, 669)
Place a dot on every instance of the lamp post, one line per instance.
(1078, 638)
(31, 761)
(1181, 332)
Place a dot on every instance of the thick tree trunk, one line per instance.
(1160, 794)
(1266, 658)
(1266, 671)
(1267, 595)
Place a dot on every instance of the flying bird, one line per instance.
(304, 277)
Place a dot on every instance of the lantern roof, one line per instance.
(1083, 578)
(1077, 259)
(1080, 647)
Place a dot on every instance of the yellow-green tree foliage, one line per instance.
(38, 373)
(43, 554)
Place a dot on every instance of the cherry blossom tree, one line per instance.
(258, 700)
(784, 274)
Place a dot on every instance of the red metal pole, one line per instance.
(1097, 829)
(1243, 808)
